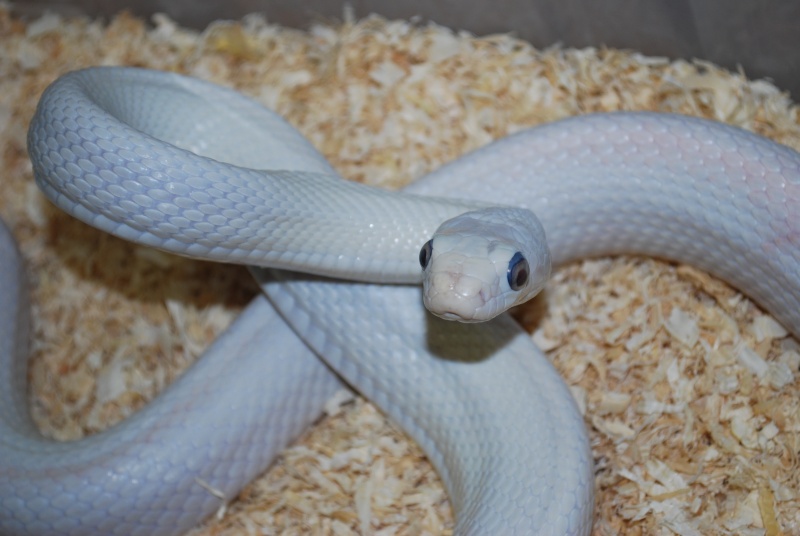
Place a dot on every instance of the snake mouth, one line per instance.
(456, 317)
(450, 306)
(447, 315)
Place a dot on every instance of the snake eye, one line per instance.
(425, 254)
(518, 271)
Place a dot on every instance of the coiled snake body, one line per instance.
(113, 147)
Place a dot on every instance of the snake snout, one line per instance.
(456, 296)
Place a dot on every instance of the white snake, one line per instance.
(485, 405)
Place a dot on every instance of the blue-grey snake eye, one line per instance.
(425, 254)
(518, 271)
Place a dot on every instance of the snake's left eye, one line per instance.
(425, 254)
(518, 271)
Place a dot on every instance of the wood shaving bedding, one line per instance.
(689, 391)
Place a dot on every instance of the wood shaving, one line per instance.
(690, 392)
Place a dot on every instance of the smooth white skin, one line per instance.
(466, 278)
(484, 404)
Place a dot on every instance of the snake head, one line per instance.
(481, 263)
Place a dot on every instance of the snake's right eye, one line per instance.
(518, 271)
(425, 254)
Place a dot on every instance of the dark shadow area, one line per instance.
(468, 343)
